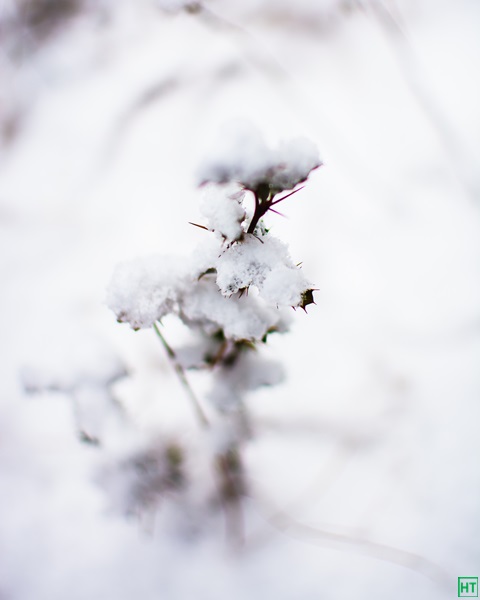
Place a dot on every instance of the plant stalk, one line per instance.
(180, 371)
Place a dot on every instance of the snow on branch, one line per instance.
(210, 291)
(231, 293)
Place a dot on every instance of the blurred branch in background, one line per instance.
(389, 18)
(27, 24)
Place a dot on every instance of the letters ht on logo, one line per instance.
(468, 587)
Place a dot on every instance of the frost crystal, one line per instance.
(145, 290)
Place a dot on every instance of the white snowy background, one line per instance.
(364, 467)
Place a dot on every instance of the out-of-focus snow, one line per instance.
(251, 372)
(240, 318)
(143, 291)
(373, 434)
(240, 154)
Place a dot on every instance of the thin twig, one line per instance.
(288, 525)
(180, 371)
(230, 486)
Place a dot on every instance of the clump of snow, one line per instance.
(144, 290)
(292, 163)
(265, 264)
(250, 372)
(285, 286)
(223, 209)
(240, 318)
(87, 362)
(84, 373)
(241, 155)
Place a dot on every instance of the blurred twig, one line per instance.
(288, 525)
(179, 370)
(417, 81)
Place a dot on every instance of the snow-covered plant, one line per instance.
(233, 292)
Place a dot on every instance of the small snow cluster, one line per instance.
(264, 264)
(242, 155)
(143, 291)
(251, 373)
(223, 209)
(238, 291)
(84, 374)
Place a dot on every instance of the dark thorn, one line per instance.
(200, 226)
(287, 196)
